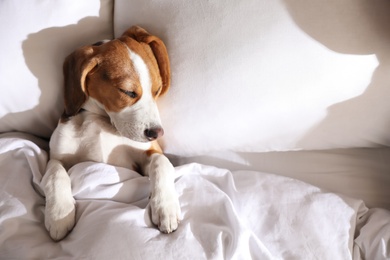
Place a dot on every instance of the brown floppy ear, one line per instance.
(159, 51)
(76, 68)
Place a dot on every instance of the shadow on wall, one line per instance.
(359, 27)
(44, 53)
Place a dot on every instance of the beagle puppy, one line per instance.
(111, 116)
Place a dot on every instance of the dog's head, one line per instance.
(124, 76)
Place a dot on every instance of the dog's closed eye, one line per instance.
(131, 94)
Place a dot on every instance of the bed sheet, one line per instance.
(360, 173)
(225, 214)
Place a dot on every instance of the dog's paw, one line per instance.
(165, 211)
(60, 218)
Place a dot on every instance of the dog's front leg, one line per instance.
(60, 205)
(164, 202)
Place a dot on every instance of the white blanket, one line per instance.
(226, 215)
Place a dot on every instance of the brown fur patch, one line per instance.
(159, 52)
(155, 148)
(145, 52)
(115, 72)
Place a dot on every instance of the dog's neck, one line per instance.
(93, 106)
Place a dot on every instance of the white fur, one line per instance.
(113, 138)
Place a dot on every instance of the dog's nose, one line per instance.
(153, 133)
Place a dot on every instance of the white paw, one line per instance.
(165, 211)
(60, 218)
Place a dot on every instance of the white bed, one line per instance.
(226, 214)
(277, 122)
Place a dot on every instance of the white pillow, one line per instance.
(36, 38)
(257, 75)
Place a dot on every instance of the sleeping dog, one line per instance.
(111, 116)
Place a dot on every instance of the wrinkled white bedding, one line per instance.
(226, 215)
